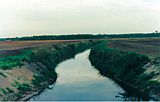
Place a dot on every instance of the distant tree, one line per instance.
(86, 36)
(156, 32)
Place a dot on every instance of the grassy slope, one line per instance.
(37, 71)
(126, 68)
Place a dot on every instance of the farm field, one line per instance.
(14, 47)
(148, 46)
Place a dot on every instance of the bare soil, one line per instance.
(147, 46)
(15, 47)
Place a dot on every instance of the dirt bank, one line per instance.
(136, 73)
(37, 70)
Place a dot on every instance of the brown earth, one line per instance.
(148, 46)
(22, 74)
(15, 47)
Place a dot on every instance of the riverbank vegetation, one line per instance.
(51, 56)
(33, 69)
(39, 65)
(127, 69)
(12, 61)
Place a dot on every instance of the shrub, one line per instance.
(23, 87)
(9, 90)
(13, 61)
(3, 75)
(3, 91)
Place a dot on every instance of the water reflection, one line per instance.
(78, 80)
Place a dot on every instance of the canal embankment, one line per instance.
(129, 69)
(26, 74)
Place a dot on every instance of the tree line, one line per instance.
(85, 36)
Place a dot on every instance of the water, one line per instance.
(78, 80)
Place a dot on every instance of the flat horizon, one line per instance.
(78, 34)
(39, 17)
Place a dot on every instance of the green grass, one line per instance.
(116, 62)
(51, 56)
(9, 90)
(125, 66)
(12, 61)
(3, 91)
(22, 87)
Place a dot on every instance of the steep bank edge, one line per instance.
(126, 69)
(37, 70)
(50, 57)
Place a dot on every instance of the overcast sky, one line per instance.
(35, 17)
